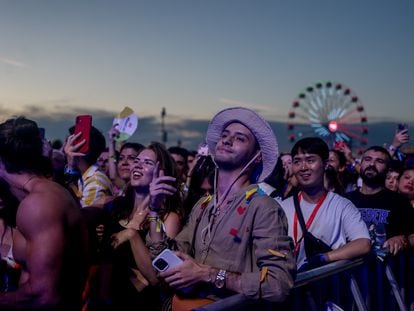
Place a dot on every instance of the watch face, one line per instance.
(219, 283)
(220, 279)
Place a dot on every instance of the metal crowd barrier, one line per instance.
(372, 283)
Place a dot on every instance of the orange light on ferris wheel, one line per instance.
(333, 126)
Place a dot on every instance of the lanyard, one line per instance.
(309, 222)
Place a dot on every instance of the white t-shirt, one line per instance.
(337, 222)
(268, 189)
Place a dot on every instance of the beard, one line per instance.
(374, 180)
(226, 165)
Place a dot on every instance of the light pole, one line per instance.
(164, 137)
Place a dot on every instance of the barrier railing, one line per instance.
(373, 283)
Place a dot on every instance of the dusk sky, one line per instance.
(62, 58)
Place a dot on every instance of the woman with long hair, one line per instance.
(134, 280)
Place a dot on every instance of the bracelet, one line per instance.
(392, 148)
(159, 226)
(69, 171)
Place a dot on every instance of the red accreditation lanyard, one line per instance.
(308, 223)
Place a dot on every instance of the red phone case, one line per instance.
(83, 124)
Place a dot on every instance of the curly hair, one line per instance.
(21, 147)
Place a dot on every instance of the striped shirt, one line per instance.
(94, 187)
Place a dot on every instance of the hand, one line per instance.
(121, 237)
(113, 133)
(160, 187)
(400, 138)
(344, 148)
(70, 149)
(396, 244)
(186, 274)
(314, 262)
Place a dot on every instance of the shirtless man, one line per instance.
(51, 239)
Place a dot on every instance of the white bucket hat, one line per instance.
(256, 124)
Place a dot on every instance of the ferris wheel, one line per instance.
(332, 111)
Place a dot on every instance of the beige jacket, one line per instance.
(248, 236)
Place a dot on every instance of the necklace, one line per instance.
(27, 181)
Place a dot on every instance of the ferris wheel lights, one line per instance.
(330, 110)
(333, 126)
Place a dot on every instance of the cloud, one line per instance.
(190, 132)
(13, 62)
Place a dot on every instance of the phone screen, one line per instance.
(83, 124)
(402, 127)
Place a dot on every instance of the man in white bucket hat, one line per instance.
(236, 240)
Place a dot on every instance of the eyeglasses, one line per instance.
(129, 158)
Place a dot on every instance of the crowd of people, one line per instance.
(79, 231)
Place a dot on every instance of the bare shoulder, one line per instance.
(49, 193)
(172, 216)
(47, 202)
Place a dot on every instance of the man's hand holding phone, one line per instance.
(184, 275)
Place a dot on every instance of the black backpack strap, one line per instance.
(274, 193)
(299, 213)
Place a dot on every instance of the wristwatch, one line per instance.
(220, 281)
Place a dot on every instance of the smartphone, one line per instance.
(167, 259)
(83, 123)
(402, 127)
